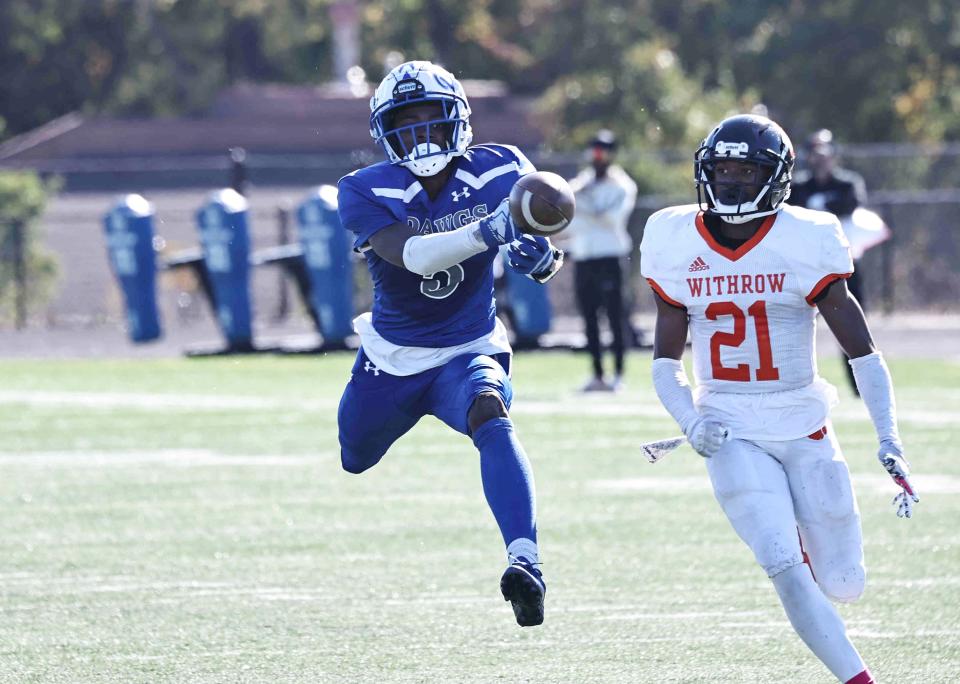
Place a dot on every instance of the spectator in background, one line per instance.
(599, 242)
(826, 187)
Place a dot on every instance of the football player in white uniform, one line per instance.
(746, 274)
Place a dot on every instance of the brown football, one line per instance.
(542, 203)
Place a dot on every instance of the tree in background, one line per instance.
(27, 271)
(869, 69)
(149, 57)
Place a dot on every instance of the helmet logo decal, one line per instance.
(407, 87)
(732, 149)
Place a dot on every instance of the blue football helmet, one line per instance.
(417, 83)
(753, 140)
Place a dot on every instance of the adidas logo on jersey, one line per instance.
(699, 265)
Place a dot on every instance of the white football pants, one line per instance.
(771, 490)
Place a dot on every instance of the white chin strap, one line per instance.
(736, 219)
(733, 213)
(722, 210)
(421, 165)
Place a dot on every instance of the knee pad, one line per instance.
(844, 584)
(776, 552)
(358, 458)
(753, 491)
(771, 538)
(351, 464)
(484, 408)
(827, 491)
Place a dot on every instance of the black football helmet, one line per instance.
(752, 140)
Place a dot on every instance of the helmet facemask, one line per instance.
(745, 140)
(736, 201)
(417, 146)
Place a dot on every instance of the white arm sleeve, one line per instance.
(673, 388)
(427, 254)
(876, 390)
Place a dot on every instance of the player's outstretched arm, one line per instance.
(671, 383)
(843, 314)
(401, 246)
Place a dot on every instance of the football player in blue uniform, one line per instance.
(430, 221)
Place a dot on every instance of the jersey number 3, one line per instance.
(741, 373)
(441, 284)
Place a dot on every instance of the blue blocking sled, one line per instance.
(530, 305)
(224, 237)
(129, 232)
(223, 226)
(327, 253)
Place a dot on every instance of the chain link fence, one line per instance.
(915, 189)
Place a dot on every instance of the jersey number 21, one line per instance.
(741, 372)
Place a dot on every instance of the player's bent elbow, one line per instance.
(843, 585)
(420, 271)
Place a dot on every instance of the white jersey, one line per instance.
(752, 314)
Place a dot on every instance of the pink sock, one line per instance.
(863, 678)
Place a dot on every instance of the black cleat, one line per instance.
(522, 584)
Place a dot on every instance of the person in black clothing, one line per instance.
(826, 187)
(600, 243)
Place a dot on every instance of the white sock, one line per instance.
(817, 622)
(523, 548)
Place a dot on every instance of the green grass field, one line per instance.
(188, 521)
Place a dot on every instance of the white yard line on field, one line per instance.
(939, 412)
(131, 400)
(629, 405)
(163, 457)
(725, 615)
(580, 407)
(929, 483)
(194, 653)
(224, 653)
(39, 585)
(162, 402)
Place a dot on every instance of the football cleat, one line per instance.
(522, 584)
(596, 385)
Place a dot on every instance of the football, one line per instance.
(542, 203)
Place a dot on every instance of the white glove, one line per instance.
(707, 436)
(891, 458)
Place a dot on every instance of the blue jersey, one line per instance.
(453, 306)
